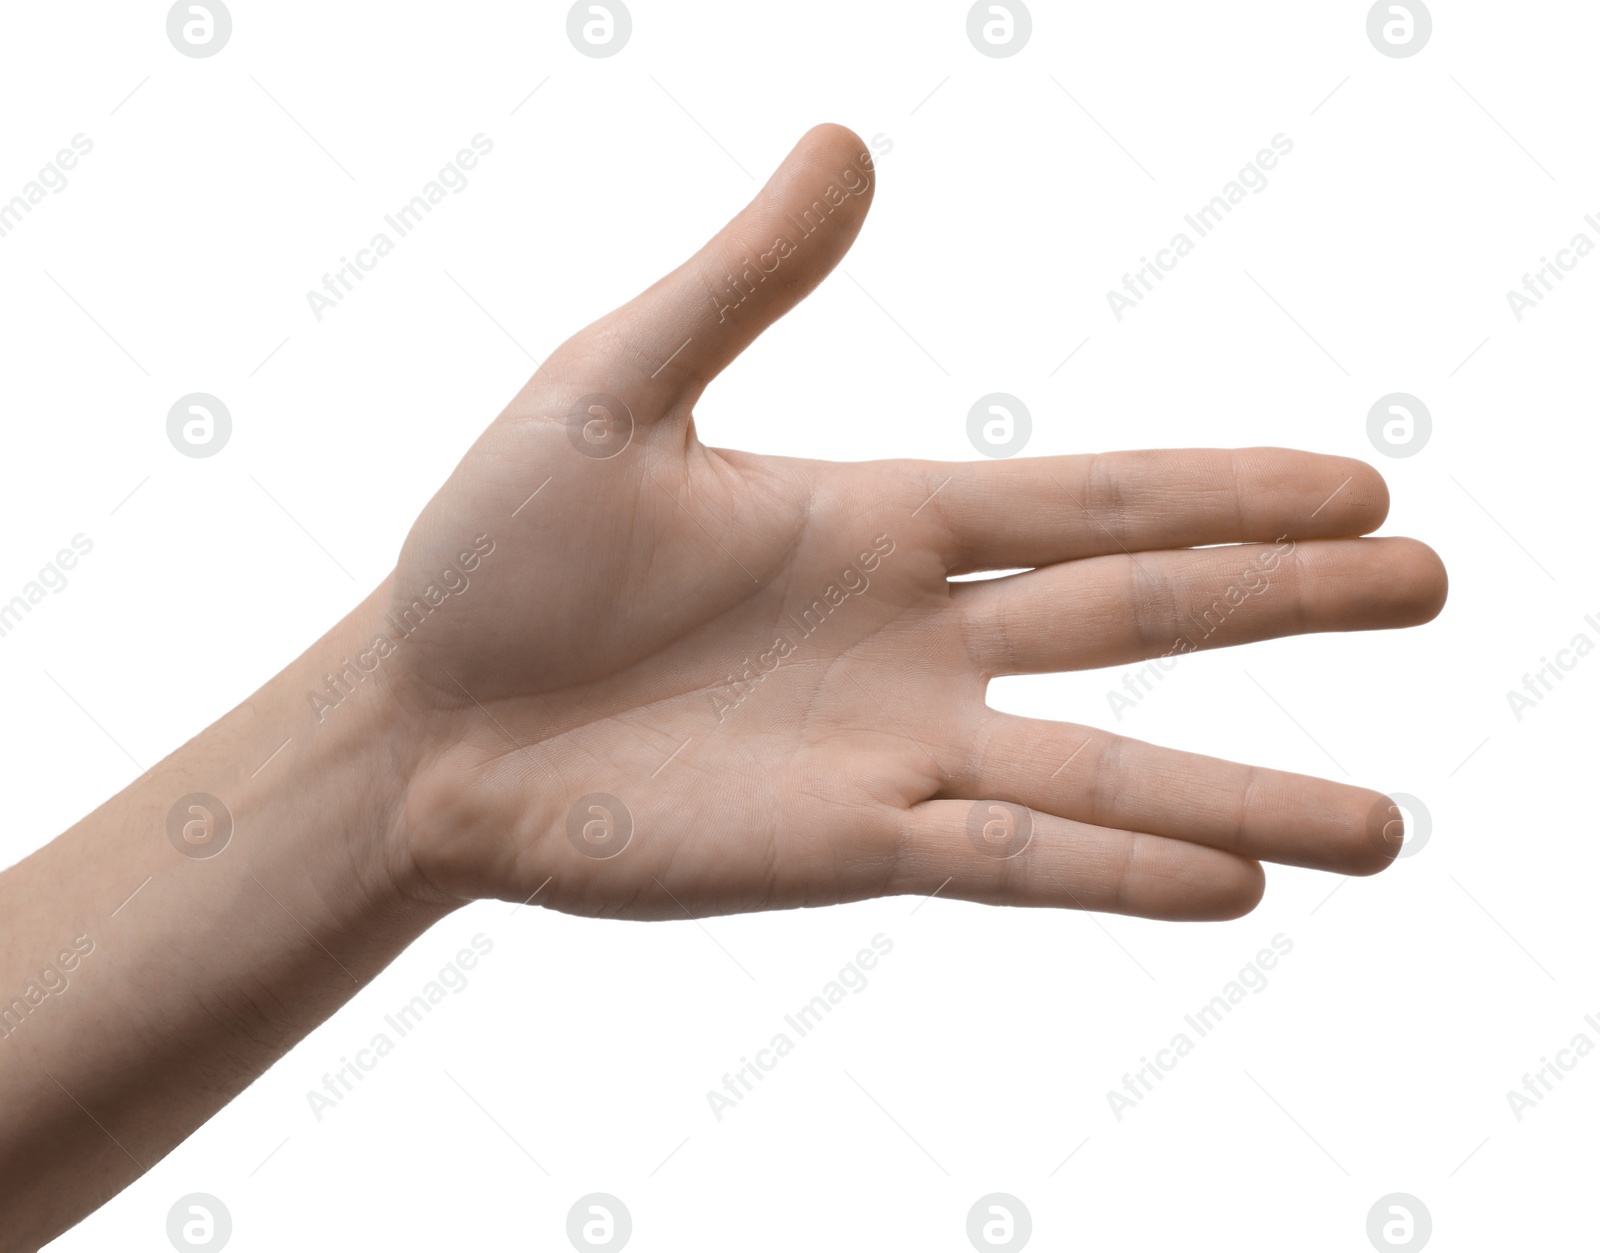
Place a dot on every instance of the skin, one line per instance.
(594, 640)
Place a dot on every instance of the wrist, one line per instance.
(443, 808)
(352, 738)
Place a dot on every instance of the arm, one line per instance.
(184, 972)
(634, 676)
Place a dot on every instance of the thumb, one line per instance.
(681, 332)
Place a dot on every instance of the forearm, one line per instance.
(146, 979)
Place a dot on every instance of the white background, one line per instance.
(978, 1057)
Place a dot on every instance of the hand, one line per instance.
(760, 667)
(617, 672)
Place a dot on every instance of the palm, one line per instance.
(687, 680)
(717, 699)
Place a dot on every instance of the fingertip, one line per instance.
(1199, 883)
(1385, 836)
(832, 162)
(1328, 495)
(685, 329)
(839, 136)
(1370, 508)
(1437, 581)
(1425, 580)
(1359, 502)
(837, 144)
(1241, 894)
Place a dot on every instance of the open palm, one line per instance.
(654, 679)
